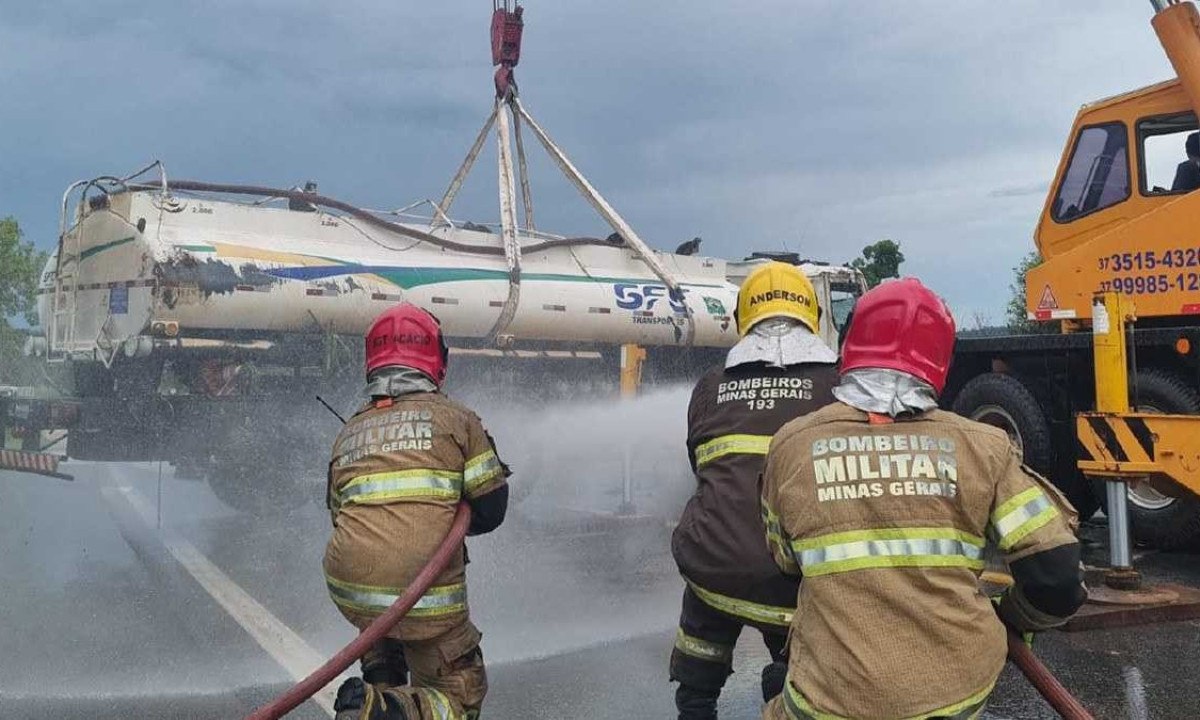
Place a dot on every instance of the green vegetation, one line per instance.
(879, 261)
(1018, 320)
(20, 265)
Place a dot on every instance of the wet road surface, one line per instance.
(107, 614)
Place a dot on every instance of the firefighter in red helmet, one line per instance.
(884, 504)
(399, 468)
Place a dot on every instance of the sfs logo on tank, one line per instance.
(633, 296)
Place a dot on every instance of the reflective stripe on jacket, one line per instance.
(888, 547)
(368, 599)
(735, 444)
(798, 708)
(752, 612)
(400, 486)
(420, 484)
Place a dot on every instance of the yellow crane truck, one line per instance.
(1111, 389)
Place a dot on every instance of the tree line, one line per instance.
(20, 266)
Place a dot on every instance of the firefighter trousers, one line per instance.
(702, 658)
(448, 679)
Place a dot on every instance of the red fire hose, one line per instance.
(325, 674)
(1044, 681)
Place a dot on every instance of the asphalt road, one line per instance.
(117, 605)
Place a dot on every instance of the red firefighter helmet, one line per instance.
(407, 335)
(901, 325)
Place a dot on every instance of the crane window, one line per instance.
(1097, 176)
(1168, 166)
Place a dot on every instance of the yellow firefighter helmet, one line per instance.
(776, 290)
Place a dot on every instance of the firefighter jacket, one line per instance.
(718, 544)
(399, 468)
(887, 521)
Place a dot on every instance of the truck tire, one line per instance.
(1003, 401)
(1161, 515)
(267, 475)
(259, 492)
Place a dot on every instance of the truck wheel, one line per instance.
(267, 477)
(261, 492)
(1003, 401)
(1161, 514)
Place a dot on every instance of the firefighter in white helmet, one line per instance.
(779, 370)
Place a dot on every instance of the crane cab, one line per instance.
(1120, 212)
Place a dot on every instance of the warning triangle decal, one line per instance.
(1047, 302)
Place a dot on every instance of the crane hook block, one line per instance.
(506, 36)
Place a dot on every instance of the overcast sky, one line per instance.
(758, 124)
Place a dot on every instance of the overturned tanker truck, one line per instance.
(197, 323)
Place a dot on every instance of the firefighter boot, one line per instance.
(384, 665)
(351, 697)
(774, 676)
(700, 683)
(694, 703)
(357, 700)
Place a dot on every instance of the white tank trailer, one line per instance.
(190, 317)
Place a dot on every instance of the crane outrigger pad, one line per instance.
(1107, 608)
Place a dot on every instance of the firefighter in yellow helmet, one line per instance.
(779, 369)
(883, 502)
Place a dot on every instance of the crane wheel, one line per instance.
(1162, 515)
(1003, 401)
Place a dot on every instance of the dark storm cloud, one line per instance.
(816, 126)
